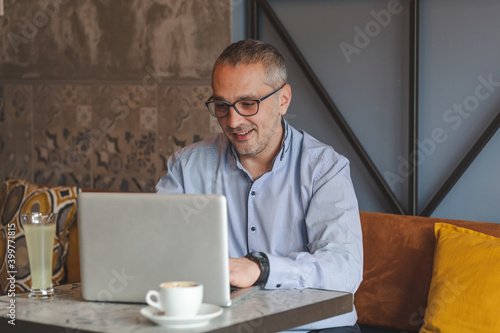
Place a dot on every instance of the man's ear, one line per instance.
(285, 98)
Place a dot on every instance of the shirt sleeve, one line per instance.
(334, 259)
(172, 182)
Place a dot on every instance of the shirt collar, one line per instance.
(287, 138)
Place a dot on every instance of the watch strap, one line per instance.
(263, 261)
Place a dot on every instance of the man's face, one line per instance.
(259, 135)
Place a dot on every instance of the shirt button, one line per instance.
(252, 193)
(252, 228)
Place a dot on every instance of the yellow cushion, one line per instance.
(464, 295)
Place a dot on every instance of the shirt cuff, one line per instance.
(283, 273)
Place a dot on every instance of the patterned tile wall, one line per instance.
(92, 102)
(98, 136)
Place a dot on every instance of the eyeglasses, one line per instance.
(244, 107)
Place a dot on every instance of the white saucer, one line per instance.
(205, 314)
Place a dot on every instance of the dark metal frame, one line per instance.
(253, 10)
(462, 166)
(413, 104)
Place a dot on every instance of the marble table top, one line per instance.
(273, 310)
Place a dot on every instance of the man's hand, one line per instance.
(243, 272)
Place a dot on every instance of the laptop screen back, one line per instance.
(132, 242)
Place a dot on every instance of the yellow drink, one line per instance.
(40, 239)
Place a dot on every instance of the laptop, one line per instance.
(132, 242)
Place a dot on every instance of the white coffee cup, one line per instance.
(177, 298)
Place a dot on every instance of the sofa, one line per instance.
(408, 269)
(408, 260)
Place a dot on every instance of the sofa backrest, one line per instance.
(398, 258)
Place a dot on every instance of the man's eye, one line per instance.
(220, 106)
(247, 104)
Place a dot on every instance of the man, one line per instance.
(293, 215)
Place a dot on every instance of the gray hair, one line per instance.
(251, 51)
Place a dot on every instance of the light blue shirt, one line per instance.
(303, 213)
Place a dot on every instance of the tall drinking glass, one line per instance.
(40, 230)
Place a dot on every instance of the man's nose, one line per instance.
(234, 119)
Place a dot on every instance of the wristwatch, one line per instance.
(263, 261)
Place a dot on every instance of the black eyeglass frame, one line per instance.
(229, 105)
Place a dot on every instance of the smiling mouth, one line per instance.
(241, 136)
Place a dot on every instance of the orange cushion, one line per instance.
(465, 289)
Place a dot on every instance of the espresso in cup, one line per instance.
(178, 284)
(177, 298)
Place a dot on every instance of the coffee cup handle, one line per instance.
(151, 301)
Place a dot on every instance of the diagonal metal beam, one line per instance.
(332, 108)
(413, 104)
(462, 166)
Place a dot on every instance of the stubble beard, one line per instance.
(246, 148)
